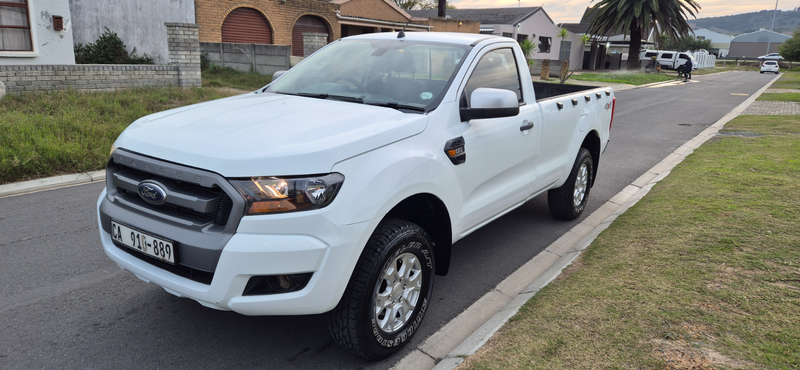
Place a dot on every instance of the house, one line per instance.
(522, 23)
(720, 43)
(298, 22)
(36, 32)
(609, 51)
(754, 44)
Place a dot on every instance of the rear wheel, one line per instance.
(388, 294)
(569, 201)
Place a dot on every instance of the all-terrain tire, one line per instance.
(568, 201)
(388, 293)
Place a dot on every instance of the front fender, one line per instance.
(377, 181)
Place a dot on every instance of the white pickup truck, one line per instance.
(342, 185)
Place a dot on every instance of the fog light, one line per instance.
(276, 284)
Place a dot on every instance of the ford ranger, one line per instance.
(342, 186)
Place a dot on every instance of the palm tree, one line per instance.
(638, 17)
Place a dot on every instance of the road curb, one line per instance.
(544, 268)
(50, 183)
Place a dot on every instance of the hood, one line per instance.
(268, 134)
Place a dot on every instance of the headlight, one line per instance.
(288, 194)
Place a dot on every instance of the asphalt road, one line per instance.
(65, 305)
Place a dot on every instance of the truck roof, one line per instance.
(444, 37)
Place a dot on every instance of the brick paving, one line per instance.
(773, 108)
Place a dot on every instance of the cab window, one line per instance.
(497, 69)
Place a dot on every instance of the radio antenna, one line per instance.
(402, 32)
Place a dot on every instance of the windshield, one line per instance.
(396, 73)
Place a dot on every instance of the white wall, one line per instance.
(139, 23)
(49, 46)
(576, 53)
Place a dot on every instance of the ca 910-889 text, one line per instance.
(143, 242)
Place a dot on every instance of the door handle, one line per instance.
(526, 127)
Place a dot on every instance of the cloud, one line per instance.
(570, 11)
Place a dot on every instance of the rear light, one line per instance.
(613, 107)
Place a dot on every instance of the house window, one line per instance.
(544, 44)
(508, 34)
(520, 38)
(15, 29)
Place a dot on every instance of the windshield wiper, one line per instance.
(398, 106)
(351, 99)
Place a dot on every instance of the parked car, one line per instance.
(667, 59)
(771, 56)
(341, 186)
(770, 66)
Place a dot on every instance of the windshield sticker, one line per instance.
(426, 95)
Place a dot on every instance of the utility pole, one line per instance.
(442, 7)
(769, 37)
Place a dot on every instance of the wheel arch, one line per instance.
(592, 143)
(431, 214)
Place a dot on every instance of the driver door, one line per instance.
(501, 153)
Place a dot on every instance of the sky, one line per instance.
(570, 11)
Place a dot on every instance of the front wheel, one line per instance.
(388, 294)
(569, 201)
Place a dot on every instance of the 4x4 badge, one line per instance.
(456, 151)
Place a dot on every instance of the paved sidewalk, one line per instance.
(773, 108)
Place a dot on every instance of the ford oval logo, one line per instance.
(152, 192)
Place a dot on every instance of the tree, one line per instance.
(611, 17)
(421, 4)
(790, 49)
(528, 48)
(683, 44)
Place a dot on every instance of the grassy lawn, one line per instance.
(630, 78)
(703, 272)
(789, 80)
(230, 78)
(59, 132)
(779, 97)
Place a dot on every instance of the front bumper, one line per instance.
(292, 243)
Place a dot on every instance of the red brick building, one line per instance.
(298, 22)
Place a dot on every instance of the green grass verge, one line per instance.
(779, 97)
(703, 272)
(60, 132)
(789, 80)
(630, 78)
(230, 78)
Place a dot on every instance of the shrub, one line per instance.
(108, 49)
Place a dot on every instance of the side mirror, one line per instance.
(490, 103)
(277, 74)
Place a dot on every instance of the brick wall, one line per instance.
(86, 77)
(313, 42)
(281, 17)
(453, 25)
(184, 52)
(264, 59)
(183, 70)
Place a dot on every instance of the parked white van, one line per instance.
(667, 59)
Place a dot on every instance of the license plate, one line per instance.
(150, 245)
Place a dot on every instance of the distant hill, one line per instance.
(785, 22)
